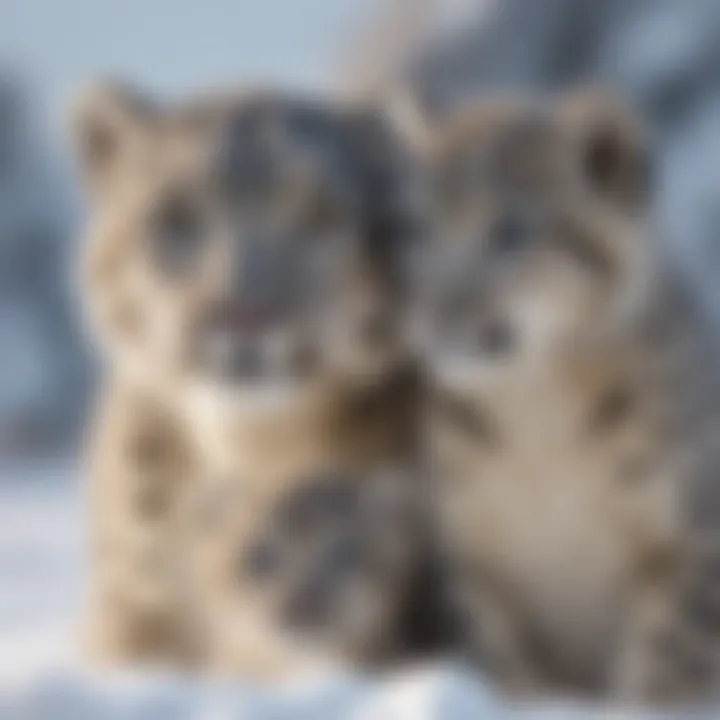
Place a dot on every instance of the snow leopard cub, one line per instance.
(574, 425)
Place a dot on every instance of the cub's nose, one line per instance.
(305, 610)
(235, 319)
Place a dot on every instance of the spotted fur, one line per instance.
(572, 539)
(316, 570)
(240, 276)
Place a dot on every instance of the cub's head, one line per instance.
(326, 564)
(537, 230)
(240, 241)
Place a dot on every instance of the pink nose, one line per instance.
(238, 319)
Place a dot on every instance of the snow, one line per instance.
(41, 578)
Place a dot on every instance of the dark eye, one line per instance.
(261, 560)
(343, 558)
(176, 237)
(509, 234)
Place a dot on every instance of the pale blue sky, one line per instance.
(174, 45)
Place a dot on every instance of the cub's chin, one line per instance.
(256, 398)
(462, 372)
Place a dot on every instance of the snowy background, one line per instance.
(664, 53)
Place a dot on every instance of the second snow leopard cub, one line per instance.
(574, 431)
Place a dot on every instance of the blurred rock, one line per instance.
(43, 369)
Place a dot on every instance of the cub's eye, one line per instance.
(344, 558)
(509, 234)
(261, 561)
(176, 236)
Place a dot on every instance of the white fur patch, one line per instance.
(244, 401)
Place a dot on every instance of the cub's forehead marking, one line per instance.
(520, 154)
(264, 145)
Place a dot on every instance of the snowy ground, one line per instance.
(41, 576)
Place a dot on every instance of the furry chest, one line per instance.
(557, 545)
(536, 505)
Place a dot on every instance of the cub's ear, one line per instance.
(613, 145)
(108, 121)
